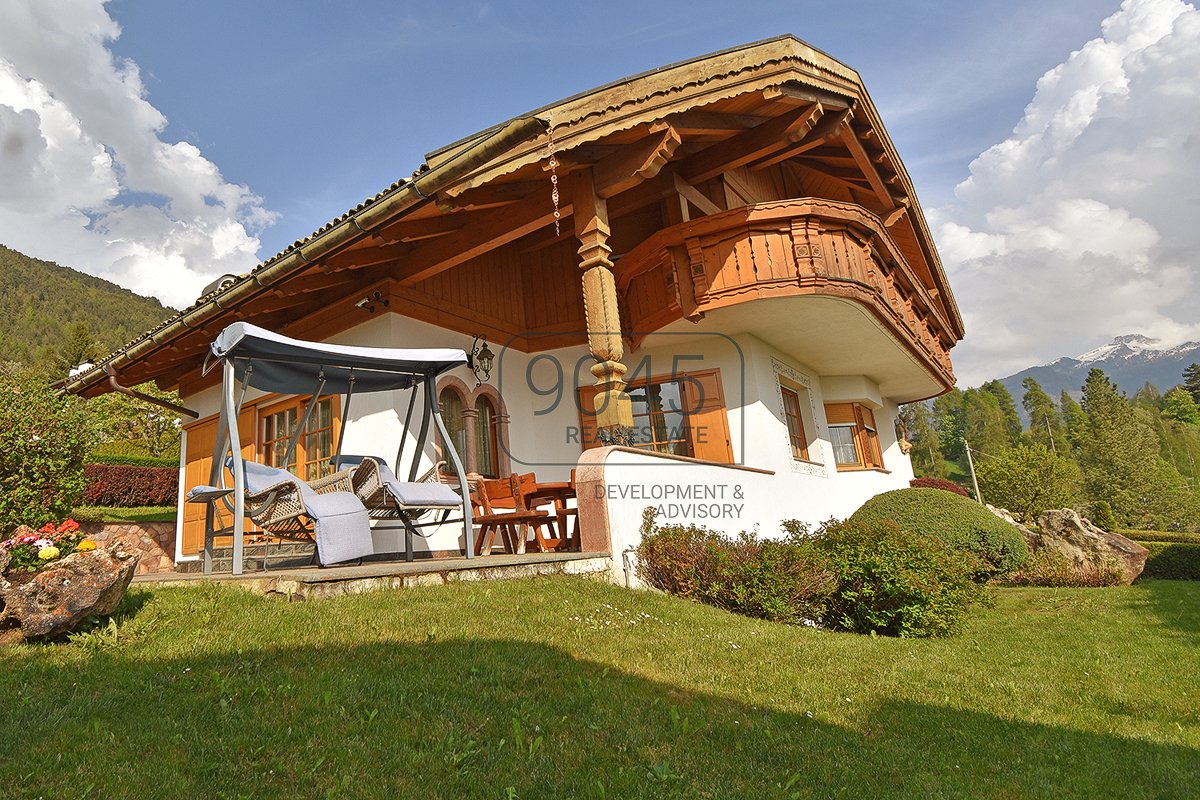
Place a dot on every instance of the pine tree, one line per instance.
(1008, 407)
(1191, 381)
(1074, 420)
(80, 347)
(1180, 407)
(927, 458)
(984, 423)
(1120, 457)
(1045, 422)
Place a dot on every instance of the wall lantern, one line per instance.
(481, 360)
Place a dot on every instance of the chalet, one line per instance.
(707, 288)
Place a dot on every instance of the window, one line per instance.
(854, 437)
(795, 422)
(681, 415)
(486, 438)
(314, 449)
(475, 421)
(658, 419)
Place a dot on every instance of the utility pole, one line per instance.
(971, 464)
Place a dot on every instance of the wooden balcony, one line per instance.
(799, 247)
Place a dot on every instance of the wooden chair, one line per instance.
(509, 493)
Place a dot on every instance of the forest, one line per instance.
(1131, 462)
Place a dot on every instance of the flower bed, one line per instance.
(29, 550)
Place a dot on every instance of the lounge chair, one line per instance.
(386, 497)
(325, 511)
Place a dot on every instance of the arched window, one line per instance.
(452, 414)
(486, 438)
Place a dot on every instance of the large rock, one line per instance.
(1064, 531)
(52, 601)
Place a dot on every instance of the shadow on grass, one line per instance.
(472, 718)
(1174, 602)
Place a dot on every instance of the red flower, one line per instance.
(70, 526)
(47, 528)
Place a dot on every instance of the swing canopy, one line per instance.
(291, 366)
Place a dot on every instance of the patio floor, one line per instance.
(306, 583)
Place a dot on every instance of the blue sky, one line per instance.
(316, 106)
(161, 143)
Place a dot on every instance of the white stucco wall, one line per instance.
(547, 444)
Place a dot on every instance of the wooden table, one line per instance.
(559, 493)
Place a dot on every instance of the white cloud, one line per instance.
(1085, 223)
(85, 177)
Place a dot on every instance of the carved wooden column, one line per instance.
(614, 412)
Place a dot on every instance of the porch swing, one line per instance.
(361, 488)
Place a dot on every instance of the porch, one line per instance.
(312, 583)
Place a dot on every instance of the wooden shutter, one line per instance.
(201, 439)
(707, 420)
(587, 417)
(868, 437)
(840, 414)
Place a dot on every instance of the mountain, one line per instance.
(41, 300)
(1131, 361)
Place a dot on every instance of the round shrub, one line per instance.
(961, 523)
(895, 582)
(938, 483)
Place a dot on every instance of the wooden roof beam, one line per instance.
(798, 93)
(709, 123)
(636, 163)
(488, 195)
(850, 138)
(754, 144)
(827, 129)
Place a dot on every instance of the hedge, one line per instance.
(125, 460)
(1172, 560)
(961, 523)
(1162, 536)
(938, 483)
(125, 486)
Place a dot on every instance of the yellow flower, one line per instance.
(48, 553)
(85, 545)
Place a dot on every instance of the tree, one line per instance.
(927, 458)
(1008, 408)
(1121, 463)
(78, 348)
(1180, 407)
(1074, 420)
(118, 417)
(1191, 381)
(1029, 479)
(948, 417)
(43, 438)
(984, 425)
(1045, 422)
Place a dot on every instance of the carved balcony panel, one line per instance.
(806, 246)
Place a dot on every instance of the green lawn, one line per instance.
(131, 514)
(566, 688)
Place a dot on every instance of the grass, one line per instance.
(133, 514)
(568, 688)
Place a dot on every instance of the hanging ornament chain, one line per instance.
(553, 164)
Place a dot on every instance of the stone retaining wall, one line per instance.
(155, 541)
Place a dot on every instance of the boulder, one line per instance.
(59, 596)
(1086, 545)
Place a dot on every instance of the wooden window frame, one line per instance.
(865, 434)
(647, 419)
(798, 438)
(303, 462)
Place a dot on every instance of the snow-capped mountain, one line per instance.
(1132, 361)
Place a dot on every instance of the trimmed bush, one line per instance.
(1182, 537)
(895, 582)
(1102, 516)
(119, 460)
(123, 486)
(961, 523)
(1172, 560)
(938, 483)
(1051, 568)
(782, 581)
